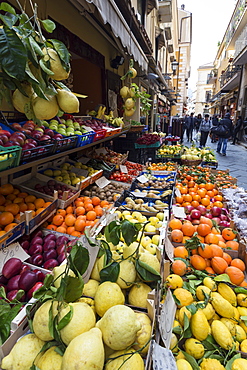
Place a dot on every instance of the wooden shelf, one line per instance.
(5, 174)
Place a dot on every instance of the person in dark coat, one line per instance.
(189, 124)
(215, 122)
(237, 128)
(226, 122)
(198, 121)
(204, 129)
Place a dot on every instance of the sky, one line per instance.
(210, 19)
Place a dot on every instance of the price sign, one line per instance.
(79, 171)
(101, 151)
(84, 160)
(142, 179)
(139, 194)
(177, 192)
(178, 212)
(169, 249)
(123, 168)
(160, 172)
(12, 251)
(163, 358)
(166, 319)
(102, 182)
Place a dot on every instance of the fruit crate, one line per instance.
(211, 164)
(112, 131)
(135, 187)
(86, 139)
(99, 135)
(9, 157)
(66, 143)
(14, 233)
(143, 146)
(31, 154)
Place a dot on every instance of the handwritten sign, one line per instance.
(101, 151)
(79, 171)
(142, 179)
(123, 168)
(84, 160)
(163, 358)
(166, 319)
(178, 212)
(177, 192)
(102, 182)
(169, 249)
(12, 251)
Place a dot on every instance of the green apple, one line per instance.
(145, 241)
(151, 248)
(64, 172)
(61, 131)
(45, 123)
(156, 239)
(53, 127)
(72, 175)
(39, 129)
(76, 181)
(149, 228)
(69, 122)
(54, 121)
(57, 173)
(77, 132)
(61, 125)
(48, 173)
(153, 220)
(160, 216)
(67, 181)
(62, 121)
(59, 178)
(66, 177)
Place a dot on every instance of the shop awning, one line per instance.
(110, 13)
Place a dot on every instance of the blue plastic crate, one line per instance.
(85, 139)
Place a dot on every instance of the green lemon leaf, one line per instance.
(223, 277)
(48, 281)
(62, 52)
(48, 25)
(79, 259)
(2, 292)
(7, 8)
(191, 360)
(9, 20)
(110, 272)
(66, 319)
(240, 290)
(74, 288)
(228, 366)
(130, 231)
(146, 272)
(13, 55)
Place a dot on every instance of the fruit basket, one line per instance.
(9, 157)
(136, 128)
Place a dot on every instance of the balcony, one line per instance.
(165, 11)
(229, 80)
(236, 24)
(212, 77)
(240, 56)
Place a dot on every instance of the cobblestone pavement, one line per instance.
(235, 160)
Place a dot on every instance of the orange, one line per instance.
(80, 211)
(228, 233)
(218, 197)
(91, 215)
(13, 208)
(201, 238)
(210, 271)
(61, 212)
(104, 203)
(198, 262)
(203, 229)
(88, 207)
(10, 196)
(18, 200)
(202, 192)
(69, 210)
(76, 234)
(232, 244)
(209, 186)
(187, 198)
(177, 236)
(89, 223)
(22, 195)
(179, 267)
(179, 199)
(2, 208)
(2, 232)
(243, 284)
(46, 204)
(81, 217)
(237, 262)
(30, 199)
(30, 207)
(39, 203)
(96, 201)
(183, 190)
(10, 226)
(227, 258)
(180, 252)
(219, 265)
(210, 193)
(2, 199)
(218, 204)
(70, 220)
(217, 250)
(205, 201)
(188, 229)
(61, 229)
(52, 227)
(57, 220)
(195, 203)
(6, 189)
(175, 223)
(23, 207)
(211, 239)
(196, 197)
(39, 210)
(205, 252)
(98, 210)
(70, 229)
(6, 218)
(80, 225)
(235, 274)
(16, 191)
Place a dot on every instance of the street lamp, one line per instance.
(174, 65)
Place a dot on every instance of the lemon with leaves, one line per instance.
(184, 297)
(211, 364)
(174, 281)
(194, 348)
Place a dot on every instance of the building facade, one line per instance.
(203, 89)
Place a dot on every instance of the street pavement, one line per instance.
(235, 160)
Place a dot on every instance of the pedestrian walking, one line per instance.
(189, 125)
(204, 129)
(215, 122)
(224, 132)
(198, 121)
(183, 128)
(236, 129)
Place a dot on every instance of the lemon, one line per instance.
(200, 290)
(240, 333)
(230, 325)
(243, 345)
(41, 320)
(174, 281)
(90, 288)
(180, 355)
(184, 296)
(129, 250)
(138, 294)
(127, 274)
(210, 283)
(45, 109)
(222, 334)
(107, 295)
(239, 364)
(221, 305)
(144, 334)
(211, 364)
(55, 64)
(49, 360)
(19, 101)
(125, 360)
(173, 344)
(194, 348)
(58, 273)
(227, 293)
(183, 310)
(242, 300)
(208, 310)
(199, 325)
(119, 327)
(67, 101)
(183, 364)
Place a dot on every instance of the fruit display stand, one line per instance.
(15, 233)
(9, 157)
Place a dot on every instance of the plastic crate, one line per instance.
(112, 132)
(142, 146)
(99, 135)
(85, 139)
(13, 156)
(66, 143)
(212, 165)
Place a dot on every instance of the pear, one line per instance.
(45, 109)
(67, 101)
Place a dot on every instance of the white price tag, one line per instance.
(142, 179)
(84, 160)
(177, 192)
(102, 182)
(160, 172)
(79, 171)
(139, 194)
(166, 319)
(169, 249)
(178, 212)
(101, 151)
(12, 251)
(163, 358)
(123, 168)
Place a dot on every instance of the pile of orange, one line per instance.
(211, 257)
(13, 202)
(85, 212)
